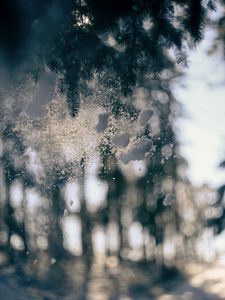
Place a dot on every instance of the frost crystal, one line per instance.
(61, 141)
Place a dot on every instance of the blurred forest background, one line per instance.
(95, 202)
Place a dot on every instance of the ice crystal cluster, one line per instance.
(60, 138)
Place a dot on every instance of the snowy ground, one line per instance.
(130, 282)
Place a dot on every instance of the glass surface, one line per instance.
(112, 147)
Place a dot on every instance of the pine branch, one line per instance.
(194, 22)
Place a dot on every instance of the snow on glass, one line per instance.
(61, 139)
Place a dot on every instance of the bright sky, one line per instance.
(202, 133)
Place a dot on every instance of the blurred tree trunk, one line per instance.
(9, 222)
(56, 248)
(86, 222)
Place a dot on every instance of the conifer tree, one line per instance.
(77, 39)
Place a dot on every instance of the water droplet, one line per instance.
(53, 261)
(66, 213)
(169, 199)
